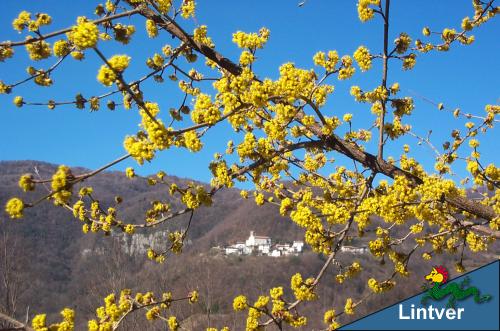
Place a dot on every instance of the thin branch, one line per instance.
(59, 32)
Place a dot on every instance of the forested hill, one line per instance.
(54, 265)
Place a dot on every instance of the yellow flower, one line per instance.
(302, 289)
(251, 40)
(240, 303)
(261, 302)
(348, 70)
(77, 55)
(276, 292)
(43, 19)
(259, 199)
(473, 143)
(14, 208)
(363, 58)
(61, 48)
(409, 61)
(394, 88)
(402, 43)
(349, 308)
(92, 325)
(26, 182)
(106, 75)
(173, 325)
(365, 13)
(329, 318)
(187, 8)
(151, 28)
(38, 50)
(246, 58)
(6, 52)
(18, 101)
(459, 267)
(61, 185)
(85, 34)
(38, 322)
(129, 172)
(193, 297)
(129, 229)
(347, 117)
(164, 5)
(22, 21)
(68, 315)
(192, 141)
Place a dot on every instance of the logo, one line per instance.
(437, 289)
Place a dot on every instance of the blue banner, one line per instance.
(468, 302)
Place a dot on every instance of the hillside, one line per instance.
(51, 271)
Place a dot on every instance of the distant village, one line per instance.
(263, 245)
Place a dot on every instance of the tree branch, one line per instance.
(16, 324)
(333, 141)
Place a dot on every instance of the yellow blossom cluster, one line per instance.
(61, 185)
(402, 43)
(84, 34)
(38, 50)
(164, 5)
(107, 74)
(6, 52)
(129, 172)
(151, 28)
(123, 33)
(246, 58)
(112, 310)
(187, 8)
(240, 303)
(347, 69)
(205, 111)
(24, 20)
(278, 310)
(303, 290)
(173, 324)
(352, 271)
(26, 182)
(329, 319)
(61, 48)
(192, 141)
(363, 58)
(365, 13)
(200, 36)
(475, 242)
(409, 61)
(327, 61)
(378, 287)
(251, 40)
(15, 208)
(349, 307)
(195, 196)
(38, 323)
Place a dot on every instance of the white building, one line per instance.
(239, 249)
(353, 249)
(262, 245)
(298, 246)
(257, 240)
(275, 253)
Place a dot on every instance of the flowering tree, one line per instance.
(284, 142)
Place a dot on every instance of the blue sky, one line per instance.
(466, 77)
